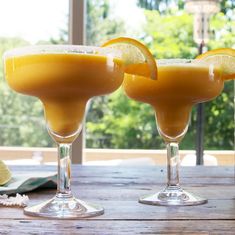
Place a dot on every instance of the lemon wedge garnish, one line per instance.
(5, 174)
(223, 58)
(137, 58)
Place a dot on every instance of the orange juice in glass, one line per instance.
(180, 85)
(64, 78)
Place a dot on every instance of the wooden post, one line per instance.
(200, 125)
(77, 35)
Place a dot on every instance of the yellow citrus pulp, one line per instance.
(136, 56)
(5, 174)
(224, 58)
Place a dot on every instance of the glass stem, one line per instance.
(173, 164)
(64, 170)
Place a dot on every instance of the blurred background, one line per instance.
(117, 130)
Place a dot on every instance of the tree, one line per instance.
(164, 6)
(115, 121)
(173, 39)
(20, 116)
(123, 123)
(100, 24)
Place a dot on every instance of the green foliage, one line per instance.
(219, 128)
(21, 117)
(161, 6)
(115, 121)
(121, 123)
(118, 122)
(222, 31)
(100, 24)
(169, 36)
(164, 6)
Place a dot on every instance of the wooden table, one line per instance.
(117, 190)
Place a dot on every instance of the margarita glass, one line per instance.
(64, 78)
(180, 85)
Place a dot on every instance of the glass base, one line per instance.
(173, 196)
(64, 208)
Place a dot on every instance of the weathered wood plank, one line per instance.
(145, 176)
(132, 210)
(196, 171)
(118, 189)
(90, 227)
(132, 193)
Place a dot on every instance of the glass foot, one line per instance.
(173, 196)
(64, 208)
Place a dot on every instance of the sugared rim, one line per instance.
(61, 49)
(193, 63)
(165, 62)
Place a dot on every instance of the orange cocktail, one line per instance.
(172, 95)
(64, 78)
(180, 84)
(64, 83)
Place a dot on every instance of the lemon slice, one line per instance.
(223, 58)
(5, 174)
(137, 58)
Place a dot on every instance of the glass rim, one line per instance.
(175, 61)
(62, 49)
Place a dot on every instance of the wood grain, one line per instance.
(109, 227)
(117, 190)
